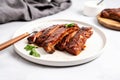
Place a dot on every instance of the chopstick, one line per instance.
(12, 41)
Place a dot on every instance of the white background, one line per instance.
(106, 67)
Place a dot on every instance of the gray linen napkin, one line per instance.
(25, 10)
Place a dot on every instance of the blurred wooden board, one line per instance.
(109, 23)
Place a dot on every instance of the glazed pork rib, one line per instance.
(64, 37)
(47, 32)
(77, 43)
(57, 36)
(31, 39)
(41, 36)
(111, 14)
(62, 44)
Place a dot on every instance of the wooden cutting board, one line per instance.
(109, 23)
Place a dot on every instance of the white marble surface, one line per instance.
(106, 67)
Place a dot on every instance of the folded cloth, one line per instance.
(25, 10)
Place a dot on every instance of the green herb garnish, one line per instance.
(69, 25)
(29, 47)
(32, 50)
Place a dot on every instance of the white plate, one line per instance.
(95, 45)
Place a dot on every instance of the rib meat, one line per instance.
(41, 36)
(57, 36)
(31, 39)
(77, 43)
(46, 34)
(62, 44)
(65, 38)
(111, 14)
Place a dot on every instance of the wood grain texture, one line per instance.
(108, 23)
(12, 41)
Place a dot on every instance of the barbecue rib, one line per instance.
(41, 36)
(77, 43)
(62, 44)
(64, 37)
(39, 41)
(31, 39)
(111, 14)
(57, 36)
